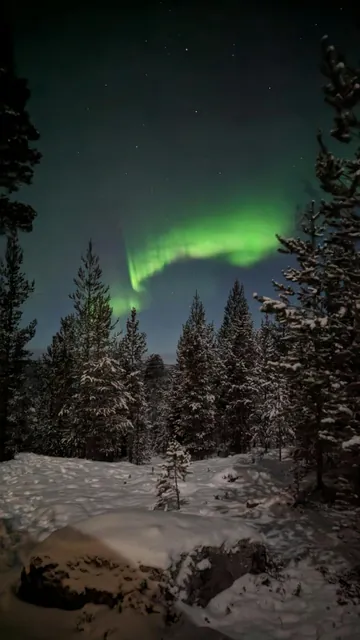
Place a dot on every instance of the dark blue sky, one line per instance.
(115, 94)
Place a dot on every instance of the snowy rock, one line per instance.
(208, 571)
(98, 562)
(71, 571)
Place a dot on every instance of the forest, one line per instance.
(292, 383)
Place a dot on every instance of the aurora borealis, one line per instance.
(179, 138)
(240, 237)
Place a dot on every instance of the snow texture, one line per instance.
(113, 502)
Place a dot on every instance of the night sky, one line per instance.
(179, 139)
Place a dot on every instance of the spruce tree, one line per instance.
(174, 469)
(59, 380)
(101, 410)
(264, 426)
(308, 360)
(191, 417)
(92, 308)
(237, 390)
(271, 420)
(94, 394)
(132, 355)
(28, 410)
(340, 179)
(156, 382)
(17, 157)
(15, 289)
(288, 403)
(323, 323)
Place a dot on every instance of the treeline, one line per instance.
(95, 394)
(293, 382)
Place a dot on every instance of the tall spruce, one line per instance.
(132, 356)
(191, 418)
(273, 408)
(287, 402)
(92, 308)
(265, 405)
(15, 289)
(58, 372)
(17, 157)
(98, 391)
(308, 360)
(237, 392)
(340, 179)
(323, 322)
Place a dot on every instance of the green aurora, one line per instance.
(240, 238)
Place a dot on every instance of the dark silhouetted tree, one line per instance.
(17, 157)
(15, 289)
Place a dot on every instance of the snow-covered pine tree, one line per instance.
(132, 349)
(101, 410)
(302, 308)
(92, 308)
(58, 382)
(156, 382)
(173, 406)
(287, 404)
(27, 408)
(340, 179)
(265, 407)
(15, 289)
(94, 366)
(191, 416)
(237, 354)
(327, 361)
(174, 469)
(17, 157)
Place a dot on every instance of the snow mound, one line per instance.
(158, 538)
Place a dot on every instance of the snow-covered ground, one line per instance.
(42, 494)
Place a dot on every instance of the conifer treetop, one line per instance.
(17, 156)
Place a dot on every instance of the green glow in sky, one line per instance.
(240, 237)
(123, 302)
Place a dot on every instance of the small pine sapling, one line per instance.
(174, 469)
